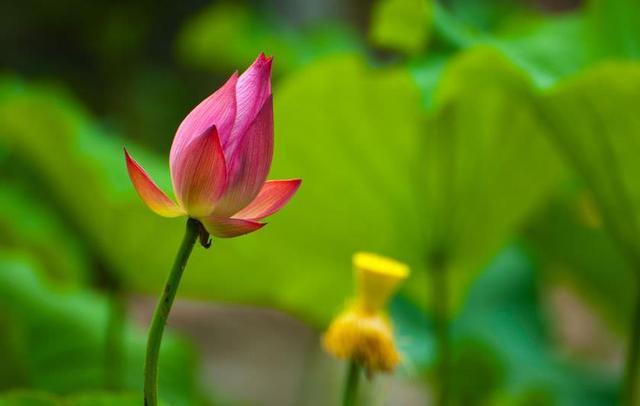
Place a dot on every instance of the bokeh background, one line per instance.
(490, 144)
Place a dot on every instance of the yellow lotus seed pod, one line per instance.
(363, 337)
(377, 279)
(362, 332)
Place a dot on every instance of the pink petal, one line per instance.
(248, 168)
(224, 227)
(273, 196)
(149, 192)
(252, 91)
(218, 110)
(200, 174)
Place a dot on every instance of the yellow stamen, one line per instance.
(363, 337)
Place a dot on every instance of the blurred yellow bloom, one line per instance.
(362, 332)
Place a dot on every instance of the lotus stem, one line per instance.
(351, 385)
(162, 313)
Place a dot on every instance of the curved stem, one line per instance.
(162, 313)
(440, 289)
(630, 385)
(351, 386)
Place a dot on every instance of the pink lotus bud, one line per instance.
(220, 159)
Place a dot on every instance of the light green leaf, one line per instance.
(351, 133)
(486, 161)
(401, 25)
(601, 139)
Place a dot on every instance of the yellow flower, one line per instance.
(362, 332)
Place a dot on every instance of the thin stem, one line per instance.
(162, 313)
(440, 288)
(351, 385)
(630, 385)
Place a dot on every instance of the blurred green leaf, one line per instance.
(479, 372)
(486, 162)
(28, 398)
(35, 398)
(503, 354)
(105, 399)
(503, 310)
(413, 334)
(573, 249)
(226, 36)
(591, 124)
(485, 15)
(401, 25)
(451, 32)
(351, 133)
(614, 26)
(29, 225)
(548, 49)
(59, 334)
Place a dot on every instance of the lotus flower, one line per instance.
(220, 158)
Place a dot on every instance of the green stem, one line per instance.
(440, 289)
(351, 386)
(630, 385)
(162, 313)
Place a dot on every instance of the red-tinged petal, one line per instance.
(248, 168)
(149, 192)
(272, 197)
(217, 110)
(252, 91)
(224, 227)
(200, 174)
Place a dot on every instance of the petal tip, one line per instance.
(263, 61)
(211, 131)
(274, 195)
(148, 191)
(262, 57)
(131, 163)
